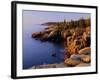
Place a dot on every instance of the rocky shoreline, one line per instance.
(78, 59)
(55, 65)
(58, 65)
(75, 36)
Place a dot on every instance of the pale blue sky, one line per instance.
(39, 17)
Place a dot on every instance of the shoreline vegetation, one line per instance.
(76, 37)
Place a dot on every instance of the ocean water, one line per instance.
(36, 52)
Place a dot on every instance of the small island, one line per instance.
(75, 35)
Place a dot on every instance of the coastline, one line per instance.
(54, 65)
(58, 65)
(76, 39)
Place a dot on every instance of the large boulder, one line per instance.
(71, 62)
(86, 59)
(75, 57)
(85, 51)
(83, 58)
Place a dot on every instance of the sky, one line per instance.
(39, 17)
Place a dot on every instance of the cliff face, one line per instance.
(80, 39)
(78, 48)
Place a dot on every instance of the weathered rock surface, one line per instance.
(86, 59)
(86, 51)
(71, 62)
(83, 58)
(75, 57)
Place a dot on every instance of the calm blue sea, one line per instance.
(36, 52)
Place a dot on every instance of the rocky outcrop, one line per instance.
(48, 35)
(75, 60)
(82, 58)
(78, 48)
(76, 42)
(37, 34)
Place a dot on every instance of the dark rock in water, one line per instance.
(53, 55)
(37, 34)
